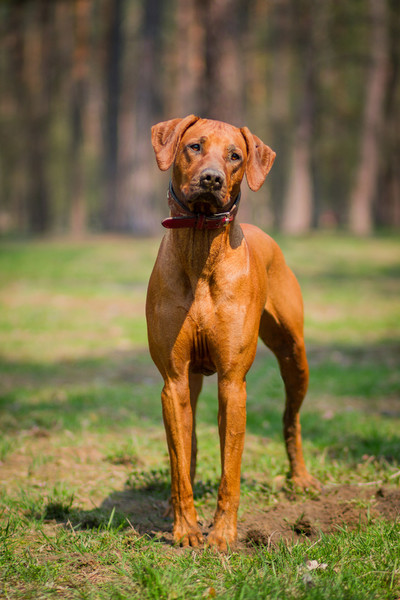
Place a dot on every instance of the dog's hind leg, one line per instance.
(281, 329)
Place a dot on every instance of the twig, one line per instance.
(379, 482)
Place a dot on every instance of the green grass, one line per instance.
(126, 565)
(83, 458)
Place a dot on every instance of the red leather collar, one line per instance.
(193, 220)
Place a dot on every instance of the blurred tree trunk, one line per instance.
(36, 104)
(298, 201)
(127, 117)
(282, 43)
(190, 64)
(111, 217)
(223, 86)
(388, 209)
(14, 146)
(142, 214)
(78, 211)
(365, 188)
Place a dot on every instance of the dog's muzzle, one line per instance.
(194, 220)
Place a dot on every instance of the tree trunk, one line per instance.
(388, 210)
(190, 64)
(14, 155)
(36, 101)
(78, 110)
(363, 194)
(298, 202)
(280, 104)
(142, 214)
(223, 87)
(113, 84)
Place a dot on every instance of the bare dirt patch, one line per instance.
(339, 506)
(292, 518)
(99, 486)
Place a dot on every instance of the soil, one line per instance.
(292, 518)
(101, 485)
(346, 505)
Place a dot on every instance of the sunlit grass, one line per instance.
(80, 416)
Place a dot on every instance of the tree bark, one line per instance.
(36, 105)
(298, 202)
(223, 87)
(280, 103)
(388, 210)
(190, 64)
(113, 85)
(78, 212)
(14, 156)
(142, 209)
(365, 187)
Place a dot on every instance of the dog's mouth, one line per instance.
(206, 203)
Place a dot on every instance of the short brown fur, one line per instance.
(211, 294)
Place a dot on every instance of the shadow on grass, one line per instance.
(144, 505)
(122, 390)
(346, 274)
(120, 366)
(141, 506)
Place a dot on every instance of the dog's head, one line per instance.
(209, 160)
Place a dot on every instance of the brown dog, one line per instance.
(216, 286)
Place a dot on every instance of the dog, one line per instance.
(215, 287)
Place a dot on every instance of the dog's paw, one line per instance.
(189, 535)
(306, 482)
(221, 537)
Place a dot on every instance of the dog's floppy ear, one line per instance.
(165, 138)
(260, 159)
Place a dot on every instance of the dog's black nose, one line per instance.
(211, 179)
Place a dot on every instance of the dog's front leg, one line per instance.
(232, 425)
(178, 420)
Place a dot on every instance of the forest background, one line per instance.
(82, 81)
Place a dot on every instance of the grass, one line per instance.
(83, 459)
(105, 563)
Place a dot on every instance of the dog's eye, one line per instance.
(235, 156)
(195, 147)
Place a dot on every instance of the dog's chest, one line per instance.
(209, 322)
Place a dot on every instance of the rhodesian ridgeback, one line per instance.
(215, 287)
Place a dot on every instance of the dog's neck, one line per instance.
(198, 251)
